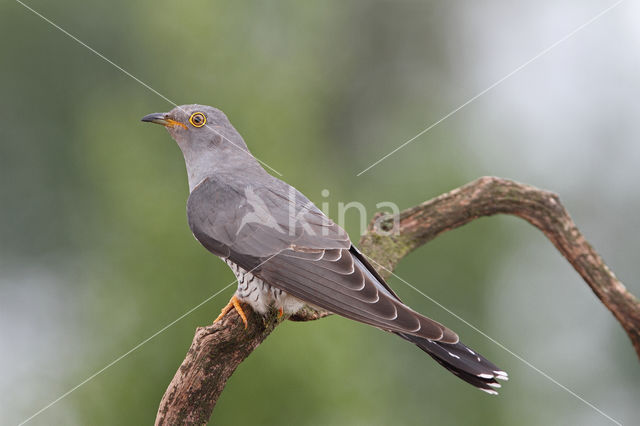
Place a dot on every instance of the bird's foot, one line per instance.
(280, 312)
(233, 303)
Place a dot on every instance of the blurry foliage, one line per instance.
(319, 91)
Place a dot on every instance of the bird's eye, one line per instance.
(197, 119)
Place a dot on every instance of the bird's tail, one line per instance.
(465, 363)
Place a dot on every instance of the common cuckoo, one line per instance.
(285, 252)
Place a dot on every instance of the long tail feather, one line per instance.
(465, 363)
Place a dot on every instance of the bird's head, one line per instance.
(189, 124)
(207, 139)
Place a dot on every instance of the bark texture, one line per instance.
(218, 349)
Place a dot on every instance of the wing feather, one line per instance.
(293, 246)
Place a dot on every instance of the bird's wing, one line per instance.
(292, 245)
(259, 221)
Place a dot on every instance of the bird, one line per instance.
(286, 253)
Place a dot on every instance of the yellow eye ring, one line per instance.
(197, 119)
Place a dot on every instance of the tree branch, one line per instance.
(218, 349)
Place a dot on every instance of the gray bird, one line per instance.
(285, 252)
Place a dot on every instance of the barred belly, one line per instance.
(261, 295)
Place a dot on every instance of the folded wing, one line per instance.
(287, 241)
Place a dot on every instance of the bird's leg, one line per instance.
(233, 303)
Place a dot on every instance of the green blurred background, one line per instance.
(96, 254)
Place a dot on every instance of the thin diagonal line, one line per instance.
(142, 343)
(100, 55)
(498, 343)
(94, 375)
(497, 83)
(404, 144)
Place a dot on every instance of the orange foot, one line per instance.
(233, 303)
(280, 312)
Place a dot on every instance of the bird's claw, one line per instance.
(234, 303)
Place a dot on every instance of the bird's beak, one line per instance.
(161, 118)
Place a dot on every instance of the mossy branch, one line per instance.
(218, 349)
